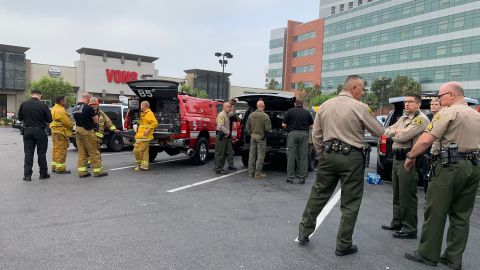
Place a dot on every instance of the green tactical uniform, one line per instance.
(452, 188)
(351, 119)
(222, 140)
(258, 124)
(404, 184)
(297, 121)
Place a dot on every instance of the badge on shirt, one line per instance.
(418, 121)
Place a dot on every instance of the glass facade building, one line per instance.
(431, 41)
(276, 56)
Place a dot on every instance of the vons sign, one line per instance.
(120, 76)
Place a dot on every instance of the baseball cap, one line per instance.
(36, 91)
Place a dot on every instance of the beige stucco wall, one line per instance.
(38, 71)
(92, 76)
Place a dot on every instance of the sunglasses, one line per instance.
(440, 96)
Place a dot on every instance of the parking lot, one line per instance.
(180, 216)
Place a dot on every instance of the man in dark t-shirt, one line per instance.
(35, 116)
(297, 121)
(86, 119)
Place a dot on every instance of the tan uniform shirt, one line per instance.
(344, 118)
(259, 122)
(223, 122)
(458, 124)
(412, 127)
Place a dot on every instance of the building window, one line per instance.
(441, 50)
(305, 36)
(373, 59)
(332, 11)
(383, 58)
(360, 2)
(302, 69)
(458, 23)
(342, 7)
(276, 43)
(304, 53)
(439, 75)
(416, 54)
(350, 5)
(457, 47)
(404, 56)
(455, 74)
(275, 73)
(293, 86)
(275, 58)
(443, 26)
(417, 31)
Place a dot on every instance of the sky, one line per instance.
(183, 34)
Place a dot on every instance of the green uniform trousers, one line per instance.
(230, 154)
(256, 155)
(297, 155)
(451, 192)
(221, 147)
(405, 201)
(333, 167)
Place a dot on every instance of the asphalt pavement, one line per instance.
(180, 216)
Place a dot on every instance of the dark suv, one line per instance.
(384, 149)
(276, 106)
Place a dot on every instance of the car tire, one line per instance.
(152, 153)
(245, 158)
(201, 152)
(116, 143)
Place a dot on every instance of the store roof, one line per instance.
(118, 55)
(13, 49)
(203, 72)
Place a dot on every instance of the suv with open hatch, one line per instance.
(186, 124)
(276, 106)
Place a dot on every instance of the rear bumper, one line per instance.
(270, 150)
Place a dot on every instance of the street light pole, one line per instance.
(223, 63)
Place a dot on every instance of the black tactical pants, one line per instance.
(35, 137)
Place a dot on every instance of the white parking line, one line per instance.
(204, 182)
(155, 162)
(326, 210)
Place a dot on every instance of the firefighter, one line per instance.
(61, 128)
(148, 123)
(103, 121)
(86, 119)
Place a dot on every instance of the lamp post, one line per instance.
(223, 63)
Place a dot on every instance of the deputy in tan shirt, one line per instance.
(341, 119)
(454, 183)
(404, 134)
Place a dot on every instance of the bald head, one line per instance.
(261, 105)
(451, 93)
(85, 97)
(354, 84)
(227, 107)
(144, 105)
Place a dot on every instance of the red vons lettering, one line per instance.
(120, 76)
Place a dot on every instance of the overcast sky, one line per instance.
(183, 34)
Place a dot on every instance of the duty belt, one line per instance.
(400, 153)
(339, 146)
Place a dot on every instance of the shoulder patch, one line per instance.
(369, 110)
(418, 121)
(437, 117)
(430, 126)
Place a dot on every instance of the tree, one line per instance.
(339, 89)
(318, 100)
(53, 87)
(372, 100)
(194, 92)
(381, 90)
(273, 85)
(412, 87)
(311, 93)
